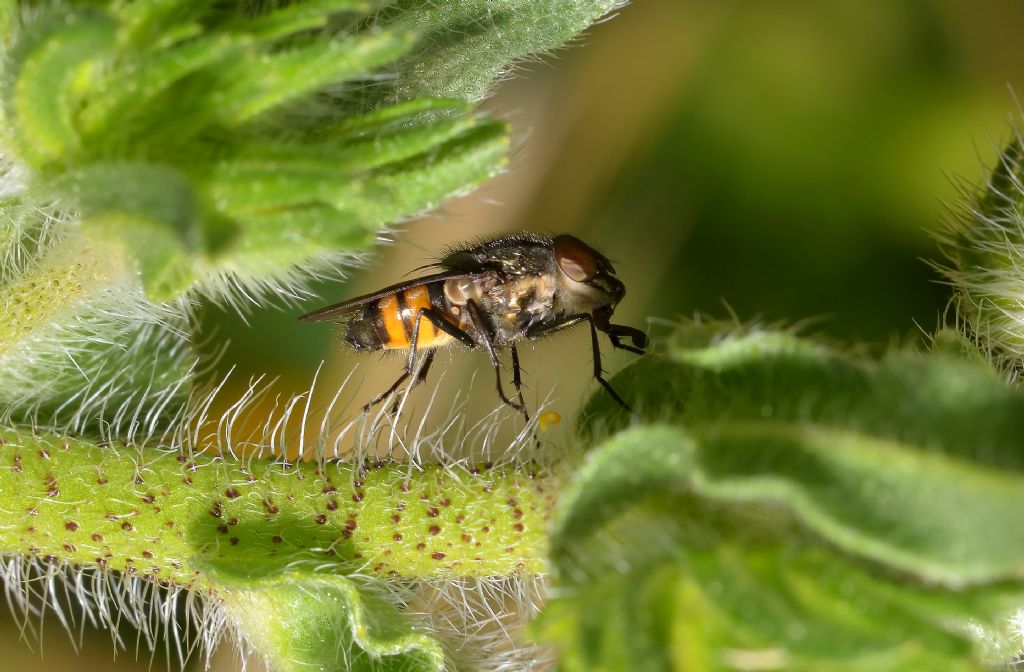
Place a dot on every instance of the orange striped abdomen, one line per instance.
(398, 315)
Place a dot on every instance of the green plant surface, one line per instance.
(795, 509)
(984, 244)
(301, 542)
(160, 153)
(161, 512)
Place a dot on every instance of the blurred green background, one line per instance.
(781, 161)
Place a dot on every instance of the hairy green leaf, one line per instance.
(792, 508)
(465, 45)
(665, 572)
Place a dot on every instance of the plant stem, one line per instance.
(164, 514)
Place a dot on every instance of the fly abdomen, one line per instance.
(388, 322)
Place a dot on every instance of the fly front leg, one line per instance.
(617, 331)
(487, 340)
(568, 321)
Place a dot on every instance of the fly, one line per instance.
(491, 295)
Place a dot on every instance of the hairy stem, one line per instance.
(168, 515)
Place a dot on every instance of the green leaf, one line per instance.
(45, 78)
(255, 83)
(782, 506)
(152, 212)
(465, 45)
(663, 572)
(856, 450)
(300, 16)
(302, 619)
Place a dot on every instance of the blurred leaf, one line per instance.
(302, 617)
(801, 511)
(45, 77)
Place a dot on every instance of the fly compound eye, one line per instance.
(575, 258)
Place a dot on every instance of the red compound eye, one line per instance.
(575, 258)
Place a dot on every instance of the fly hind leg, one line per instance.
(436, 319)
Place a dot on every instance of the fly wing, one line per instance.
(339, 311)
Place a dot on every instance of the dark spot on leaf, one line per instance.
(435, 529)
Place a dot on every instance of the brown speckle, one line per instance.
(276, 539)
(147, 555)
(486, 528)
(223, 529)
(466, 538)
(435, 529)
(357, 496)
(97, 537)
(404, 486)
(332, 505)
(32, 511)
(232, 493)
(45, 454)
(432, 512)
(269, 507)
(216, 511)
(232, 521)
(446, 502)
(321, 519)
(396, 518)
(71, 526)
(518, 527)
(397, 536)
(126, 526)
(148, 499)
(234, 541)
(437, 555)
(420, 546)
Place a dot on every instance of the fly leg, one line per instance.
(517, 379)
(438, 321)
(568, 321)
(617, 331)
(488, 342)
